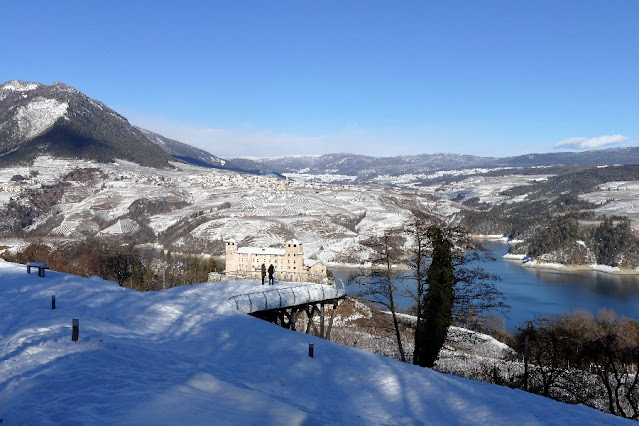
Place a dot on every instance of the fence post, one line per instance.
(75, 333)
(311, 350)
(52, 302)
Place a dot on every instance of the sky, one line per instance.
(257, 78)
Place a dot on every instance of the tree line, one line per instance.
(612, 242)
(582, 359)
(124, 263)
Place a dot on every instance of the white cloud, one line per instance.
(590, 143)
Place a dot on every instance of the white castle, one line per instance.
(289, 262)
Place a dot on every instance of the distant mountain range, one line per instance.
(366, 167)
(60, 121)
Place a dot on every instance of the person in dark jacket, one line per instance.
(271, 273)
(263, 273)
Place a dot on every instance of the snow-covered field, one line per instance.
(619, 198)
(187, 356)
(489, 189)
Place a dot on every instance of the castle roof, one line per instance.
(260, 250)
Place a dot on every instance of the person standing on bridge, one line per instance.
(263, 273)
(271, 273)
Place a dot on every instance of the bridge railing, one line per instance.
(280, 297)
(282, 276)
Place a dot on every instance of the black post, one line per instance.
(311, 348)
(52, 302)
(76, 330)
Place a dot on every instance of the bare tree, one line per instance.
(418, 260)
(475, 289)
(613, 352)
(377, 284)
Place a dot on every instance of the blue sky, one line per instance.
(242, 78)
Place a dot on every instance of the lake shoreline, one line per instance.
(560, 267)
(513, 258)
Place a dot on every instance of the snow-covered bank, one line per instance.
(495, 237)
(186, 356)
(560, 267)
(510, 256)
(490, 237)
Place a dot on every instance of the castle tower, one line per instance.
(294, 257)
(231, 256)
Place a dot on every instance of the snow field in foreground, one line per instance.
(186, 356)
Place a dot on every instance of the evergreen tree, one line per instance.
(438, 301)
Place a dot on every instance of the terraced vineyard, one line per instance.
(187, 208)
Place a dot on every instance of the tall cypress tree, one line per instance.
(438, 301)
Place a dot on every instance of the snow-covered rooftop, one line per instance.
(310, 262)
(260, 250)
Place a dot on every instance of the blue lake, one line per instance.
(532, 293)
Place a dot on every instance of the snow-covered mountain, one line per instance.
(187, 153)
(58, 120)
(361, 168)
(187, 356)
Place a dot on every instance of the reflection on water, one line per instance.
(532, 293)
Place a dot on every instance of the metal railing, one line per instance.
(287, 276)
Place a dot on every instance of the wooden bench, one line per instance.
(41, 267)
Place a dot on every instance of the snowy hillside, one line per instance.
(201, 207)
(185, 152)
(186, 356)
